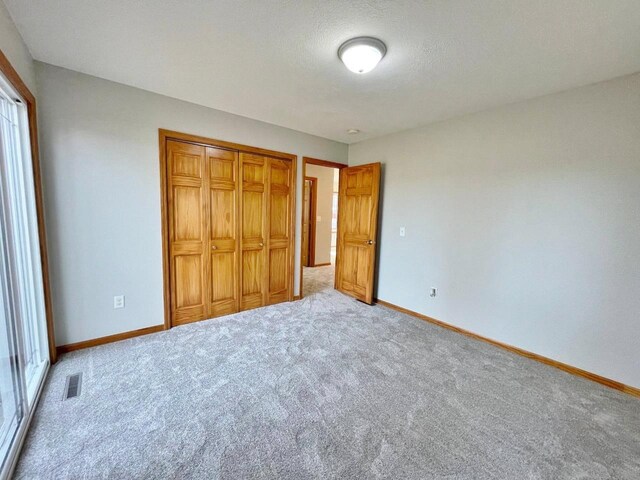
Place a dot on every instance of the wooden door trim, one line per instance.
(163, 136)
(212, 142)
(517, 350)
(164, 213)
(313, 205)
(16, 81)
(321, 163)
(94, 342)
(292, 218)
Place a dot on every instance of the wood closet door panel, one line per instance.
(252, 279)
(223, 231)
(357, 230)
(187, 208)
(253, 207)
(280, 180)
(278, 274)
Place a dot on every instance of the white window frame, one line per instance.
(22, 282)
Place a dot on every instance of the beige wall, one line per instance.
(99, 148)
(527, 220)
(324, 211)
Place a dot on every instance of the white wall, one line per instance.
(99, 149)
(324, 211)
(527, 220)
(15, 50)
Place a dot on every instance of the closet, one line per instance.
(227, 226)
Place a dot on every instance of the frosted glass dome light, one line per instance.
(362, 54)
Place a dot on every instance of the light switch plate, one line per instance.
(402, 231)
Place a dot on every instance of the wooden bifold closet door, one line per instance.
(253, 206)
(188, 225)
(266, 230)
(230, 229)
(280, 228)
(223, 231)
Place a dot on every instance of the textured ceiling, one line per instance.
(276, 61)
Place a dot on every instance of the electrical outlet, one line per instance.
(433, 292)
(402, 231)
(118, 301)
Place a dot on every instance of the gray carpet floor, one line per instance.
(325, 387)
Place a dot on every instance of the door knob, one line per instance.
(369, 242)
(262, 244)
(213, 247)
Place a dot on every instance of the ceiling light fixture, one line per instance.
(362, 54)
(353, 131)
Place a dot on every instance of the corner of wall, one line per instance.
(15, 49)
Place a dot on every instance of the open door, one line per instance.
(309, 209)
(357, 229)
(306, 208)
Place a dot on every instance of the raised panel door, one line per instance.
(280, 180)
(187, 210)
(357, 230)
(253, 214)
(223, 231)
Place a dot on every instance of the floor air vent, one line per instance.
(72, 387)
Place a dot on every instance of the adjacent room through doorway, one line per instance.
(319, 225)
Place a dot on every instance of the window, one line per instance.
(23, 335)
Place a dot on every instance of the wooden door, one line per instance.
(228, 226)
(280, 230)
(253, 215)
(306, 206)
(309, 221)
(357, 230)
(187, 222)
(223, 231)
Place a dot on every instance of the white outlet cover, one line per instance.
(402, 231)
(318, 218)
(118, 301)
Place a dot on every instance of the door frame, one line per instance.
(320, 163)
(165, 135)
(313, 206)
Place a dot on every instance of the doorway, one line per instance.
(309, 211)
(319, 225)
